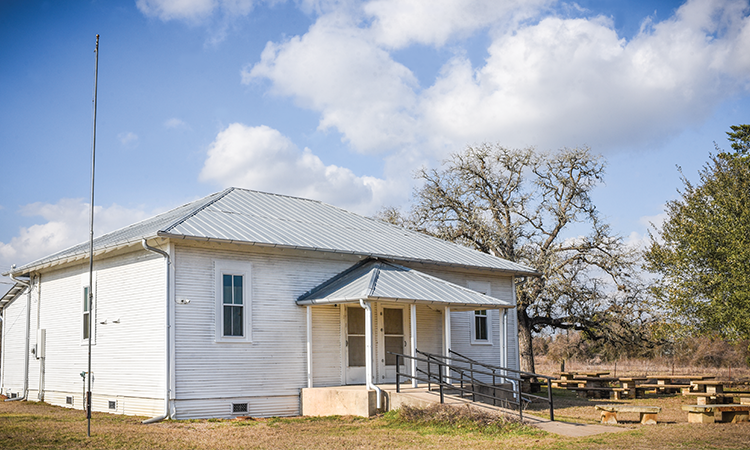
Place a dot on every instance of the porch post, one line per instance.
(504, 341)
(368, 344)
(413, 349)
(447, 338)
(309, 347)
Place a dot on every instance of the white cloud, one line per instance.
(193, 10)
(128, 138)
(174, 122)
(550, 82)
(67, 224)
(261, 158)
(398, 23)
(357, 87)
(574, 81)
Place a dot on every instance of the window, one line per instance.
(480, 325)
(481, 319)
(88, 309)
(233, 305)
(86, 314)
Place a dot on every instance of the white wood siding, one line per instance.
(127, 358)
(269, 372)
(14, 338)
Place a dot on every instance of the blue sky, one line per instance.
(342, 101)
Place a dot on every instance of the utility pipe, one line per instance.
(368, 351)
(28, 327)
(168, 391)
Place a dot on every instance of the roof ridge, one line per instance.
(209, 201)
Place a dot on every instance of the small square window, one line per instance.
(112, 404)
(69, 400)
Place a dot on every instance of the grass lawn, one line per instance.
(29, 425)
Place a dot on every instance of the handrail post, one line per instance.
(549, 398)
(520, 401)
(473, 383)
(462, 384)
(429, 375)
(440, 383)
(494, 389)
(398, 384)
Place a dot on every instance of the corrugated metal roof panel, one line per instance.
(381, 280)
(241, 215)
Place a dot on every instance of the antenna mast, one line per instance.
(91, 247)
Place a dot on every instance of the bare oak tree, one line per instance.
(535, 209)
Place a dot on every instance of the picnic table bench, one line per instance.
(717, 413)
(609, 413)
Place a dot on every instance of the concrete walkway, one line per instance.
(421, 397)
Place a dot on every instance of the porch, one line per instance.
(360, 319)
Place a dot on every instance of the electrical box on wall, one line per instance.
(41, 339)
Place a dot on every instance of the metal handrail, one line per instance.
(463, 373)
(521, 373)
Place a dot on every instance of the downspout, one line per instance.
(42, 359)
(368, 352)
(167, 392)
(28, 327)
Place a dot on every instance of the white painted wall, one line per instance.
(127, 357)
(269, 371)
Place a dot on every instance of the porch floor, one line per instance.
(356, 400)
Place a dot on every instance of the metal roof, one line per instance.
(244, 216)
(12, 293)
(374, 279)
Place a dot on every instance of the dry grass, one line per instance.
(27, 425)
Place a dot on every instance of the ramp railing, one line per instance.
(468, 377)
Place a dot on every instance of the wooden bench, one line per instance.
(609, 413)
(717, 413)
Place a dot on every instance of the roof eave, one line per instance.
(339, 300)
(81, 256)
(346, 252)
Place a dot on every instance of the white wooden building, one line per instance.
(231, 304)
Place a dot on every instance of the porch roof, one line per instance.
(375, 279)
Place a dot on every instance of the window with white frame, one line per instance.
(481, 320)
(86, 314)
(481, 326)
(233, 305)
(88, 309)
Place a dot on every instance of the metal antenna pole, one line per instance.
(91, 246)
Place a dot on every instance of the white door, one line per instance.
(393, 336)
(354, 328)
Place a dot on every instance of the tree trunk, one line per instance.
(525, 347)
